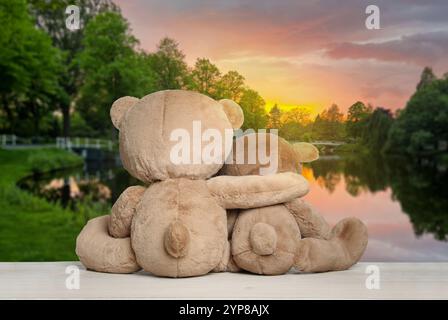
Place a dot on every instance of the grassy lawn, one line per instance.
(31, 229)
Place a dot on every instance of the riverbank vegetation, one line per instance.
(56, 82)
(33, 229)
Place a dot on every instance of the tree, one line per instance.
(332, 114)
(317, 127)
(28, 67)
(111, 69)
(300, 115)
(43, 68)
(376, 128)
(205, 78)
(293, 131)
(328, 124)
(169, 66)
(426, 78)
(295, 123)
(231, 86)
(253, 108)
(423, 123)
(49, 17)
(356, 117)
(275, 115)
(15, 79)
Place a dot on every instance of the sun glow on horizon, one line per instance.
(314, 109)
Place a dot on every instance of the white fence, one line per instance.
(11, 141)
(84, 143)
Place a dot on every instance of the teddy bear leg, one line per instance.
(311, 223)
(264, 240)
(345, 247)
(98, 251)
(227, 263)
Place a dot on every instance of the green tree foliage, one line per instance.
(253, 105)
(169, 66)
(376, 128)
(205, 78)
(426, 78)
(295, 124)
(29, 65)
(111, 69)
(421, 189)
(329, 125)
(421, 127)
(356, 117)
(231, 86)
(50, 17)
(275, 117)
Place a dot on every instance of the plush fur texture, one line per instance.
(257, 191)
(188, 223)
(288, 158)
(99, 251)
(178, 225)
(301, 236)
(146, 128)
(198, 244)
(264, 240)
(123, 210)
(233, 112)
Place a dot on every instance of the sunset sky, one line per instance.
(309, 53)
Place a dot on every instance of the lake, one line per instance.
(404, 202)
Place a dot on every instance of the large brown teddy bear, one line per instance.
(272, 239)
(175, 227)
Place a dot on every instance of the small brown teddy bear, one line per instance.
(272, 239)
(175, 227)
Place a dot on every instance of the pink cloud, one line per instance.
(302, 52)
(421, 49)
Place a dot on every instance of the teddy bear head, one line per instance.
(167, 134)
(281, 155)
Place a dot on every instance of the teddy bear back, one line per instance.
(151, 128)
(284, 154)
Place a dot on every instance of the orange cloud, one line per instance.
(301, 52)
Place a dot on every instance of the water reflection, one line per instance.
(419, 186)
(403, 201)
(91, 189)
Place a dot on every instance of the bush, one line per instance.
(39, 161)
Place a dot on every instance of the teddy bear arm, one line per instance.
(311, 223)
(347, 243)
(245, 192)
(123, 211)
(98, 251)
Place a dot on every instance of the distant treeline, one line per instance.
(54, 81)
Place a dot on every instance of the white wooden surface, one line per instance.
(32, 280)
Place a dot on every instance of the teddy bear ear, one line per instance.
(306, 152)
(119, 108)
(233, 111)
